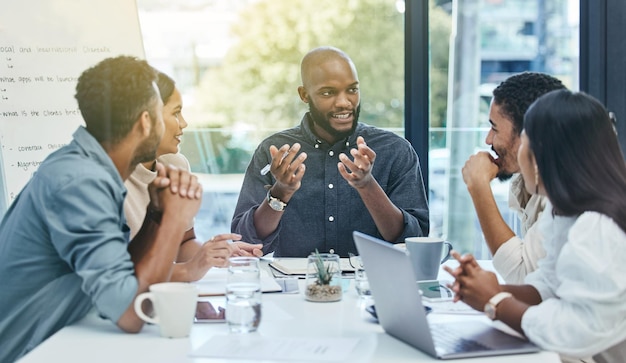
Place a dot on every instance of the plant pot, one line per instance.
(323, 291)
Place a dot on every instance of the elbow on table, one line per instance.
(130, 323)
(130, 328)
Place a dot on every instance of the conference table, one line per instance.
(285, 317)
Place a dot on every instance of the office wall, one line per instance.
(44, 46)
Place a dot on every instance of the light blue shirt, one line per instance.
(63, 248)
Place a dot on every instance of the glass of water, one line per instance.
(361, 284)
(243, 294)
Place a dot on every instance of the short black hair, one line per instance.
(515, 94)
(112, 95)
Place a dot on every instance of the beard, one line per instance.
(147, 151)
(502, 174)
(322, 121)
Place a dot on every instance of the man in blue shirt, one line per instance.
(64, 241)
(314, 195)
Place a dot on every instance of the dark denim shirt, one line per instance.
(63, 248)
(325, 211)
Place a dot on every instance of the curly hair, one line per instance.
(519, 91)
(113, 94)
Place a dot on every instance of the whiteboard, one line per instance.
(44, 47)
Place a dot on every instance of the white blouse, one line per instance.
(582, 282)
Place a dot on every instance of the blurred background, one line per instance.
(237, 64)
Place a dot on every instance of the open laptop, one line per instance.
(401, 312)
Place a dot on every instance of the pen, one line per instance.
(266, 168)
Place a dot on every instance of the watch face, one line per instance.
(490, 311)
(276, 205)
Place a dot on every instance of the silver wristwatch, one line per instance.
(275, 203)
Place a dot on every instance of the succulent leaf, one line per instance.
(324, 272)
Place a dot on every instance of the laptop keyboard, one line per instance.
(450, 341)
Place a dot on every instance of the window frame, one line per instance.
(601, 72)
(602, 53)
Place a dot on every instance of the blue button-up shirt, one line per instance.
(63, 247)
(325, 210)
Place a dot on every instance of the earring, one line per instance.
(536, 180)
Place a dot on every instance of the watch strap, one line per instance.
(492, 304)
(275, 203)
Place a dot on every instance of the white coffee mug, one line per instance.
(174, 305)
(426, 255)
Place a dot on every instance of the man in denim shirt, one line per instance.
(64, 241)
(314, 195)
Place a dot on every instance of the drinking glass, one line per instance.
(361, 284)
(243, 294)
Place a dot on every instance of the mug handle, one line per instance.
(447, 253)
(138, 301)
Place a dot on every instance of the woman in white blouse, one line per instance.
(575, 303)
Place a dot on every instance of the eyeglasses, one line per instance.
(355, 261)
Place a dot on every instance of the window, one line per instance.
(237, 64)
(491, 40)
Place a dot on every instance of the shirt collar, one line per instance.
(92, 148)
(317, 142)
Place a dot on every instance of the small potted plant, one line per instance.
(323, 280)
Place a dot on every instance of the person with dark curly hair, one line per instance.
(64, 242)
(574, 302)
(513, 257)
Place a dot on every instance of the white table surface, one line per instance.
(283, 315)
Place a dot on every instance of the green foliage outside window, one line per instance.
(256, 83)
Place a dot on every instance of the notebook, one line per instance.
(401, 312)
(298, 266)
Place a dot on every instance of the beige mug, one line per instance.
(174, 305)
(426, 255)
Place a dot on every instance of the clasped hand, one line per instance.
(184, 196)
(473, 285)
